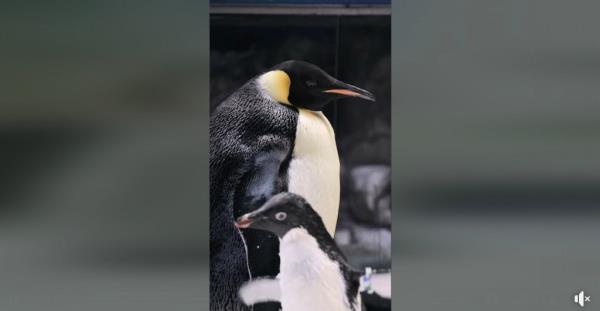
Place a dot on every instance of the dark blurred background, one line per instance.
(103, 126)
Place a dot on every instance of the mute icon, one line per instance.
(581, 298)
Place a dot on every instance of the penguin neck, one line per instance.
(275, 84)
(303, 242)
(300, 235)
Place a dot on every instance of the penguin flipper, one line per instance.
(260, 290)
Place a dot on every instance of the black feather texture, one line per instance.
(251, 140)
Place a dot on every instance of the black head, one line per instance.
(282, 213)
(312, 88)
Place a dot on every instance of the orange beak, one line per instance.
(351, 91)
(342, 92)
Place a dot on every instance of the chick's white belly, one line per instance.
(314, 170)
(309, 280)
(313, 290)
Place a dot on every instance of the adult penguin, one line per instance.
(268, 137)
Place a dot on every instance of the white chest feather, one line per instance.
(309, 280)
(314, 171)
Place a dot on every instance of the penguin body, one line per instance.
(310, 279)
(315, 274)
(268, 137)
(314, 170)
(248, 150)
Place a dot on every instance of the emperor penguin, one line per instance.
(269, 136)
(314, 273)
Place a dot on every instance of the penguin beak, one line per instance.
(244, 221)
(345, 89)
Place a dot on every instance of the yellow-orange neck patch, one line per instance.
(276, 84)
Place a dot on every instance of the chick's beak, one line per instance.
(350, 90)
(244, 221)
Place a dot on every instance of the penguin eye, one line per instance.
(311, 83)
(281, 216)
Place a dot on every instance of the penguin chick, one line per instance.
(314, 273)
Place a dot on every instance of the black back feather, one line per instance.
(251, 140)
